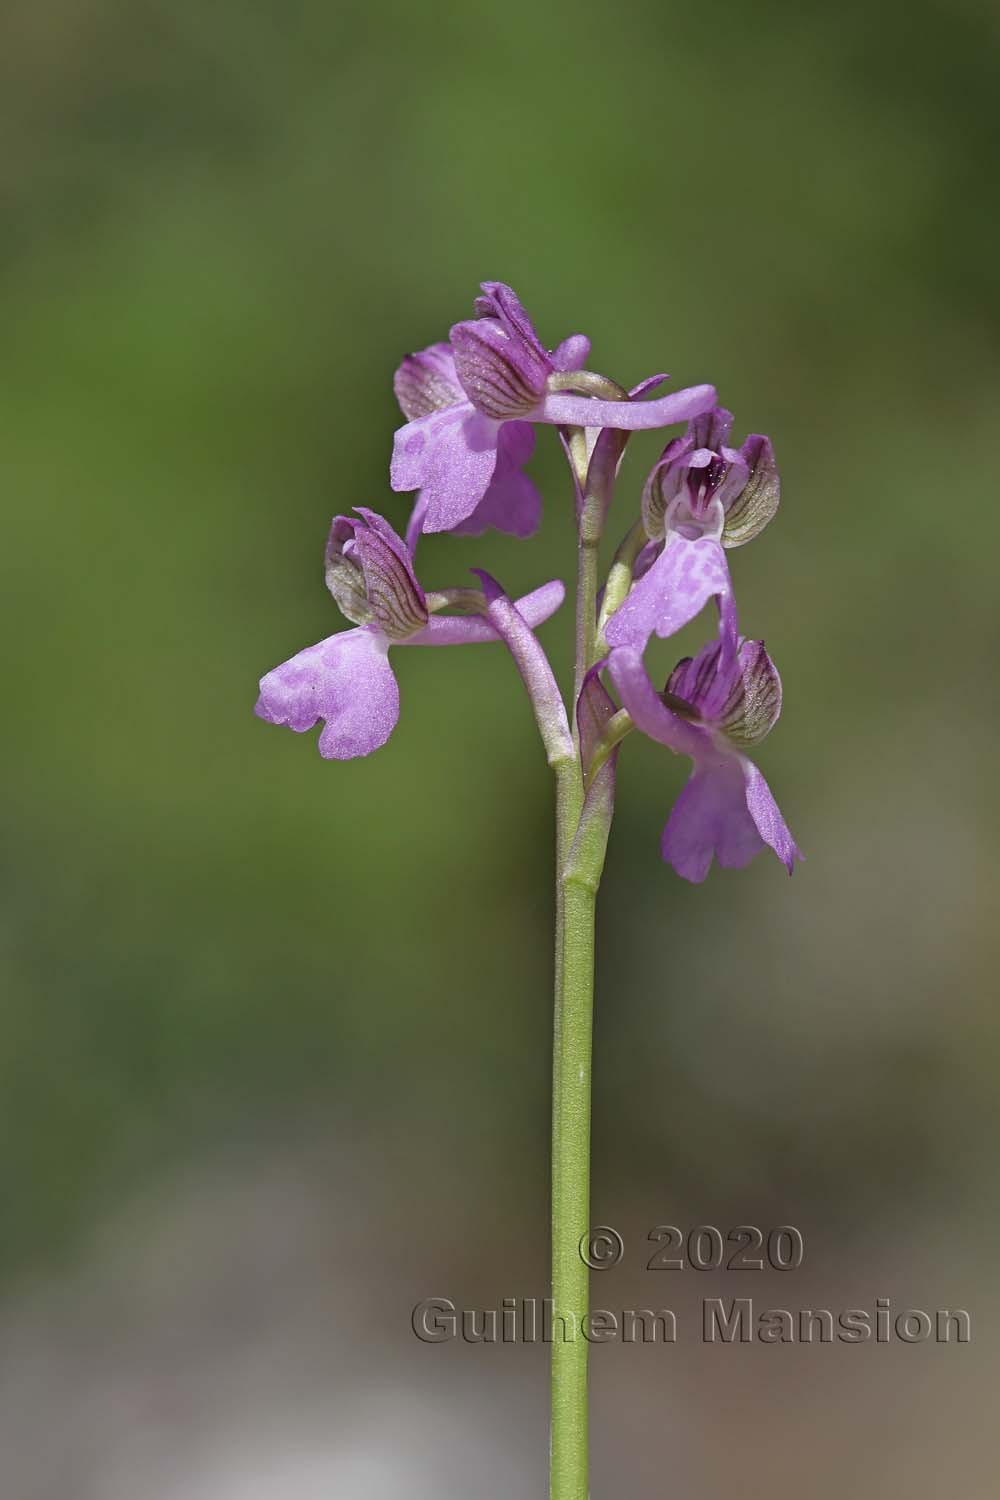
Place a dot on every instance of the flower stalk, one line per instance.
(583, 823)
(471, 407)
(571, 1074)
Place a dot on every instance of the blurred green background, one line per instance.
(275, 1032)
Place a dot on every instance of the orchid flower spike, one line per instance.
(701, 497)
(470, 404)
(346, 680)
(715, 706)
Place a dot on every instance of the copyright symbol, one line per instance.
(601, 1247)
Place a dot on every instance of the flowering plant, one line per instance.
(471, 407)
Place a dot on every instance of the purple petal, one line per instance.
(664, 483)
(767, 816)
(426, 382)
(735, 478)
(384, 529)
(648, 711)
(451, 455)
(651, 383)
(675, 589)
(711, 429)
(415, 524)
(712, 682)
(502, 303)
(345, 680)
(698, 681)
(558, 407)
(512, 503)
(572, 353)
(710, 817)
(459, 630)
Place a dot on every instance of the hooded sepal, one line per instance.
(502, 376)
(744, 703)
(501, 363)
(426, 382)
(749, 511)
(369, 573)
(344, 574)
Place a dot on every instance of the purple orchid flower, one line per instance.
(346, 680)
(470, 404)
(715, 706)
(471, 456)
(701, 497)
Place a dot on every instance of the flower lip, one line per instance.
(347, 682)
(369, 573)
(726, 811)
(675, 587)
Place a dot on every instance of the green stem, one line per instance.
(576, 896)
(571, 1191)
